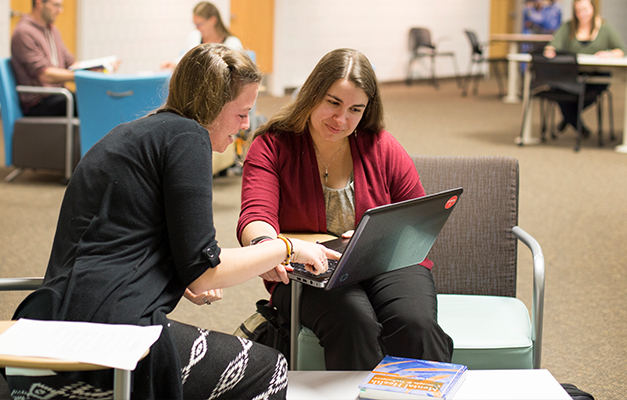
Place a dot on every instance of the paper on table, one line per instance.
(115, 346)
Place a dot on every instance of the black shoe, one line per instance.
(562, 125)
(585, 132)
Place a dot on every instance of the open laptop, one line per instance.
(388, 237)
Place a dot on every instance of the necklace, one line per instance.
(326, 166)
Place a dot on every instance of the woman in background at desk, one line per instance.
(586, 33)
(209, 29)
(135, 234)
(317, 166)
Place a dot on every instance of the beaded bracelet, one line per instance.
(290, 249)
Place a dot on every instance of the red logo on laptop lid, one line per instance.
(451, 202)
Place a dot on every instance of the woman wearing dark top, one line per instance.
(135, 234)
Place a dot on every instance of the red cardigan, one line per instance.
(281, 183)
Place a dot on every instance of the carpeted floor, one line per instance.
(572, 203)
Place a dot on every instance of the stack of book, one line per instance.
(406, 378)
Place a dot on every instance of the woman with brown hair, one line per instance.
(317, 166)
(209, 25)
(135, 234)
(209, 29)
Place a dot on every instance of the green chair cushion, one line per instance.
(489, 332)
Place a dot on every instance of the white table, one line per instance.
(507, 384)
(584, 60)
(514, 39)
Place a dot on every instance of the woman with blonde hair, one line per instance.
(317, 166)
(135, 234)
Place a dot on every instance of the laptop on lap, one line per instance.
(387, 238)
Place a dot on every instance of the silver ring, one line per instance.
(207, 302)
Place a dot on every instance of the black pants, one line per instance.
(569, 110)
(51, 106)
(393, 314)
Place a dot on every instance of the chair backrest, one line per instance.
(107, 100)
(474, 42)
(420, 37)
(476, 251)
(563, 68)
(9, 106)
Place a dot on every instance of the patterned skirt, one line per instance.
(214, 366)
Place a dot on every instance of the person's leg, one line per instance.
(344, 322)
(569, 110)
(592, 92)
(54, 105)
(221, 366)
(406, 305)
(569, 113)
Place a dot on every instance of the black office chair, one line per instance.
(556, 79)
(478, 57)
(559, 79)
(421, 46)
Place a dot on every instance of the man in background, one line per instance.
(40, 58)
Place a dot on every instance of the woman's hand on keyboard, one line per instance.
(314, 256)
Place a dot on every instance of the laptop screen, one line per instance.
(394, 236)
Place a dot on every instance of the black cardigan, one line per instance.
(135, 229)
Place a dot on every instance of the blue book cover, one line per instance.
(400, 378)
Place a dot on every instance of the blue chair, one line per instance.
(36, 142)
(107, 100)
(475, 270)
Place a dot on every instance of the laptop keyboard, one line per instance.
(301, 269)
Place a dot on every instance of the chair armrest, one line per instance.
(8, 284)
(537, 306)
(43, 90)
(69, 99)
(310, 237)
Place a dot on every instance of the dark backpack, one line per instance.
(268, 327)
(576, 393)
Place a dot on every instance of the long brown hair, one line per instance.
(574, 25)
(338, 64)
(207, 10)
(207, 77)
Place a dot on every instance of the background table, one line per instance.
(514, 39)
(507, 384)
(586, 61)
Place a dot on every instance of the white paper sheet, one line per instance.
(105, 62)
(115, 346)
